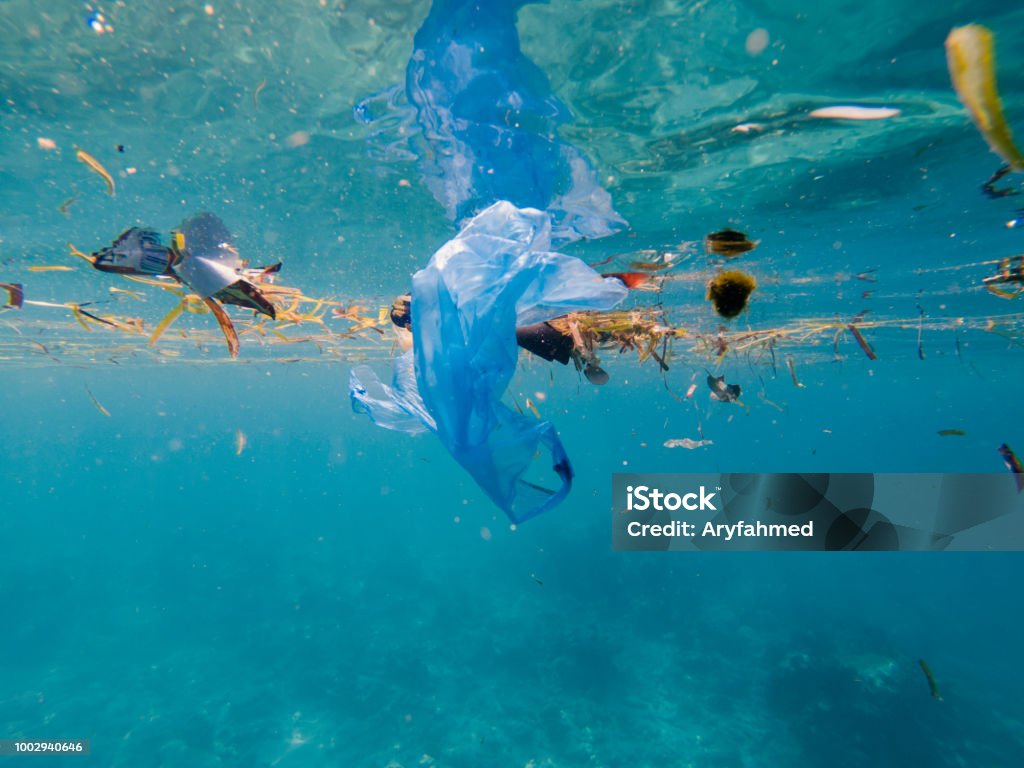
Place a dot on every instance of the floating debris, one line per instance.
(951, 433)
(1011, 272)
(862, 342)
(1013, 464)
(15, 295)
(96, 166)
(97, 403)
(970, 55)
(726, 393)
(728, 243)
(728, 292)
(164, 324)
(256, 93)
(634, 280)
(687, 442)
(847, 112)
(792, 373)
(226, 327)
(933, 687)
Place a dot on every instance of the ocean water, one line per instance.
(215, 562)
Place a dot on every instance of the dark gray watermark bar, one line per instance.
(817, 512)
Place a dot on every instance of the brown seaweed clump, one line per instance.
(728, 243)
(729, 291)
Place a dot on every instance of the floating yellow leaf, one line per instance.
(970, 54)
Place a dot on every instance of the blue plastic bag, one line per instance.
(489, 120)
(496, 274)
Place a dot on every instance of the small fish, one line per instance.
(1013, 464)
(240, 442)
(67, 205)
(55, 268)
(933, 687)
(96, 166)
(532, 407)
(951, 433)
(725, 393)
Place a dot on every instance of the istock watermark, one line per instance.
(817, 511)
(642, 498)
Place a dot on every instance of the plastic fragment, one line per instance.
(495, 275)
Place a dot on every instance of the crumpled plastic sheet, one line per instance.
(489, 119)
(211, 261)
(496, 274)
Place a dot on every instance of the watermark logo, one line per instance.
(641, 498)
(817, 511)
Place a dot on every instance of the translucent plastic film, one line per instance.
(497, 273)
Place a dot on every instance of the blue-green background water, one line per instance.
(341, 595)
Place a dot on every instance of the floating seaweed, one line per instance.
(970, 55)
(728, 243)
(97, 403)
(97, 167)
(862, 342)
(933, 687)
(1011, 272)
(792, 373)
(729, 291)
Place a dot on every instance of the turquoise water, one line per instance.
(335, 594)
